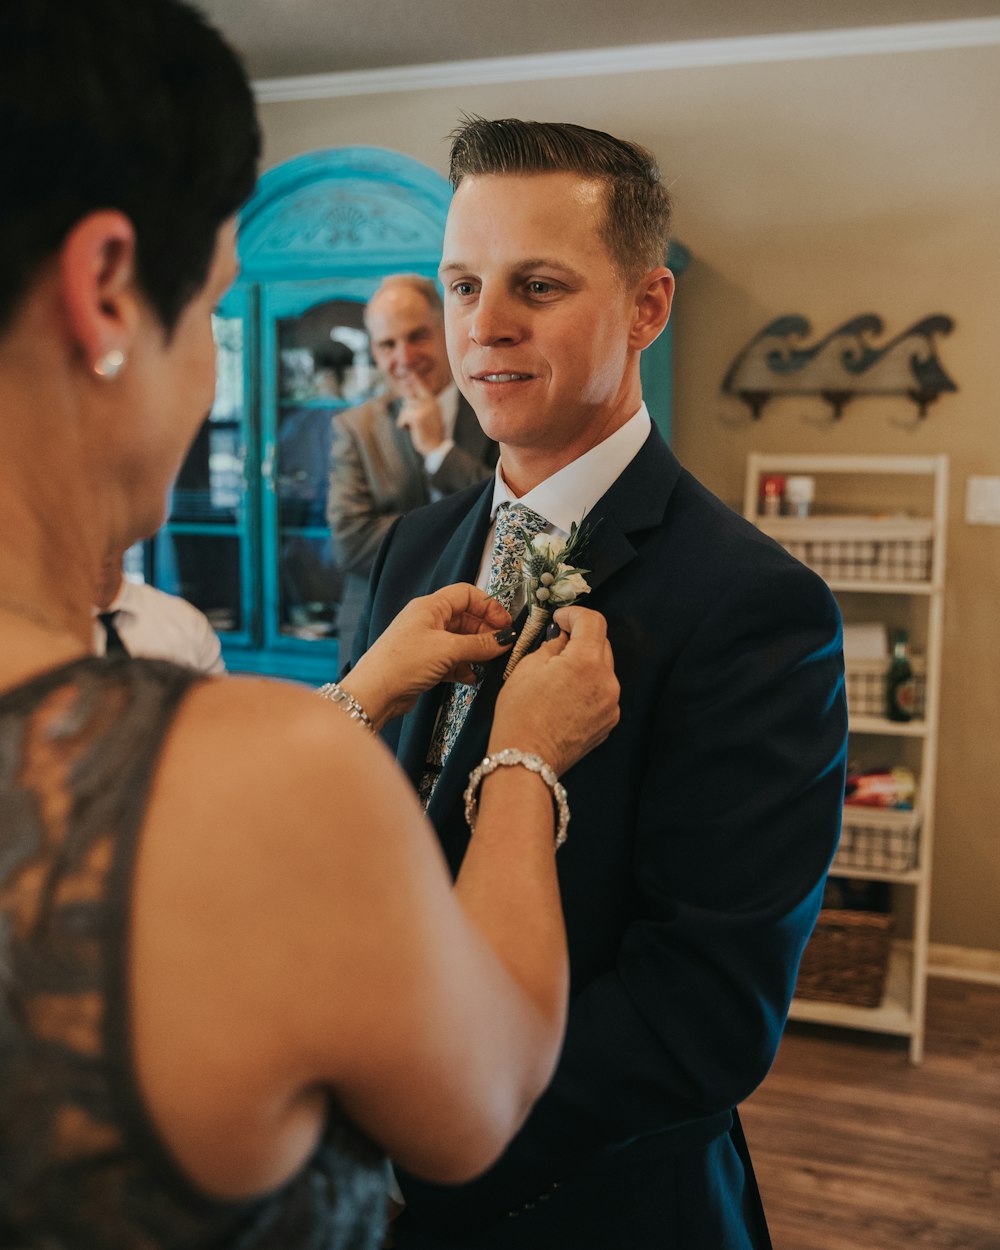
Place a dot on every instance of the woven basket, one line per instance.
(847, 958)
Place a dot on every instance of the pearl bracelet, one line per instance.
(509, 757)
(336, 694)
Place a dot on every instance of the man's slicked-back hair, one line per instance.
(134, 105)
(636, 228)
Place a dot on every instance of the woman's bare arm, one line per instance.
(296, 931)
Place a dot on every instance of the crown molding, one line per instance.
(690, 54)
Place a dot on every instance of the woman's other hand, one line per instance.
(562, 700)
(435, 638)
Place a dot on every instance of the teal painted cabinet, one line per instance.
(246, 538)
(656, 367)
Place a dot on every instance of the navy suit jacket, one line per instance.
(700, 835)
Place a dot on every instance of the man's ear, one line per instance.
(97, 281)
(654, 295)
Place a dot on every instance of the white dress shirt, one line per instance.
(160, 626)
(571, 492)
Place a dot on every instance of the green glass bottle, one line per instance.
(901, 688)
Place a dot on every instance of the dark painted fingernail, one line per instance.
(552, 630)
(505, 636)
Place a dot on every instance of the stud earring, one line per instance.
(110, 364)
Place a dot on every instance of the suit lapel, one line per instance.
(468, 433)
(407, 476)
(469, 748)
(458, 562)
(636, 502)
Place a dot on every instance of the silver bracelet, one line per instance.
(509, 757)
(337, 694)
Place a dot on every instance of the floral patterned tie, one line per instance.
(516, 525)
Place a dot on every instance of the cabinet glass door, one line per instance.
(203, 551)
(316, 361)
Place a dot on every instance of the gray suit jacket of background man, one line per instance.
(376, 475)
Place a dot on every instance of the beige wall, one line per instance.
(828, 188)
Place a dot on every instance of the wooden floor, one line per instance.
(855, 1149)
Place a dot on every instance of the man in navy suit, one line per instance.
(702, 829)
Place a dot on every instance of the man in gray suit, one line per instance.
(398, 451)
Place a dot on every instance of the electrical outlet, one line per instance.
(982, 500)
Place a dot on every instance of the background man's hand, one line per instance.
(421, 415)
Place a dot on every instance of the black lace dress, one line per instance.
(81, 1166)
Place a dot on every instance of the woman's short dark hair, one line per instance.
(637, 222)
(135, 105)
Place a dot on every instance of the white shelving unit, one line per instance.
(883, 555)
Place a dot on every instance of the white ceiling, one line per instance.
(283, 38)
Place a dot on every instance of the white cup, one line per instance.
(799, 495)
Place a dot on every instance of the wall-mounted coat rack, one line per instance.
(842, 365)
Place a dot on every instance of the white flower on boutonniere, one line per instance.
(551, 580)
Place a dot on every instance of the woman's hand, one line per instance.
(562, 700)
(434, 638)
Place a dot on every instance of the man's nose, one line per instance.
(495, 319)
(399, 362)
(407, 356)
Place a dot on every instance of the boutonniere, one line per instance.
(552, 579)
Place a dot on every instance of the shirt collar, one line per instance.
(573, 491)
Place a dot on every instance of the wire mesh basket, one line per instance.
(877, 839)
(858, 549)
(867, 686)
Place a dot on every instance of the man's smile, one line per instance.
(502, 377)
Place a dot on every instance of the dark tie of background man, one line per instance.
(115, 646)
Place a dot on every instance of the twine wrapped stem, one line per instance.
(533, 626)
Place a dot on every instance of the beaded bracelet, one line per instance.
(337, 694)
(509, 757)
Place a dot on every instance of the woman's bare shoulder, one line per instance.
(253, 761)
(259, 727)
(252, 893)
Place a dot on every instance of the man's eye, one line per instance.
(538, 287)
(463, 288)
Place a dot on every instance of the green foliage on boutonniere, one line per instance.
(552, 578)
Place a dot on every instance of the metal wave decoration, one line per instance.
(841, 365)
